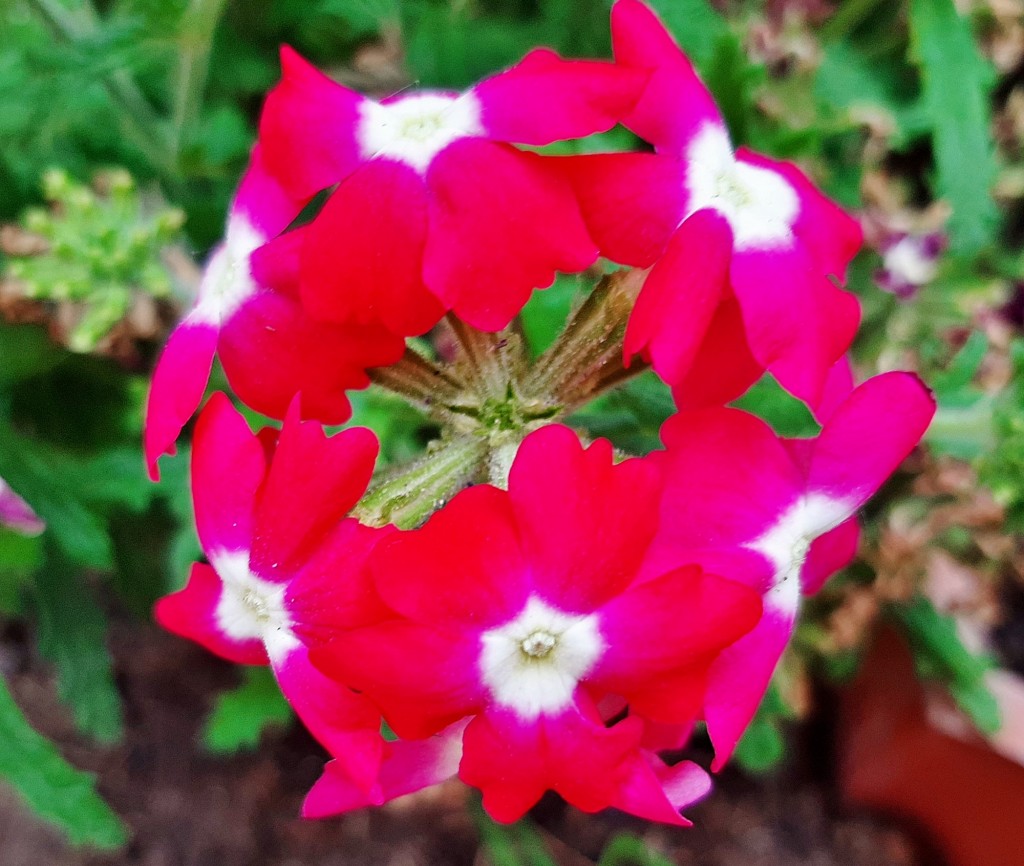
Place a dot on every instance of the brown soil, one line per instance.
(186, 808)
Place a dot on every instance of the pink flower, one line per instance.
(521, 610)
(17, 514)
(268, 514)
(780, 513)
(269, 347)
(742, 246)
(434, 209)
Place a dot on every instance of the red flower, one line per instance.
(434, 209)
(521, 610)
(741, 246)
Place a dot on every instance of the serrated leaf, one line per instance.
(546, 312)
(51, 787)
(72, 635)
(242, 714)
(956, 82)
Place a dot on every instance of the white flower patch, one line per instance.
(417, 128)
(787, 543)
(533, 664)
(760, 205)
(227, 280)
(251, 608)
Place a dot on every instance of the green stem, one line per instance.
(195, 42)
(431, 388)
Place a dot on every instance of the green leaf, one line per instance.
(20, 556)
(625, 849)
(26, 351)
(956, 82)
(961, 370)
(784, 412)
(546, 312)
(940, 654)
(72, 635)
(52, 788)
(242, 714)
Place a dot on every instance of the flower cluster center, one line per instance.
(539, 644)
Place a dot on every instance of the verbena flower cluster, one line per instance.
(562, 621)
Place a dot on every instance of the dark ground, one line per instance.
(186, 808)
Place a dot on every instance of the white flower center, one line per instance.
(251, 608)
(533, 664)
(759, 204)
(787, 543)
(227, 281)
(417, 128)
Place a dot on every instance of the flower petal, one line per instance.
(798, 323)
(631, 202)
(313, 482)
(464, 567)
(675, 103)
(502, 222)
(271, 350)
(228, 466)
(179, 382)
(544, 98)
(585, 522)
(658, 792)
(869, 435)
(724, 367)
(739, 679)
(308, 129)
(408, 766)
(362, 258)
(681, 296)
(830, 234)
(192, 613)
(828, 554)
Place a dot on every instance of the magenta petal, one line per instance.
(798, 323)
(421, 678)
(681, 295)
(544, 98)
(308, 129)
(362, 259)
(830, 234)
(728, 478)
(585, 522)
(17, 514)
(502, 222)
(514, 762)
(660, 632)
(838, 386)
(271, 350)
(228, 466)
(868, 437)
(346, 724)
(724, 367)
(261, 200)
(463, 568)
(739, 678)
(828, 554)
(408, 766)
(178, 384)
(631, 202)
(658, 792)
(313, 482)
(675, 103)
(192, 613)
